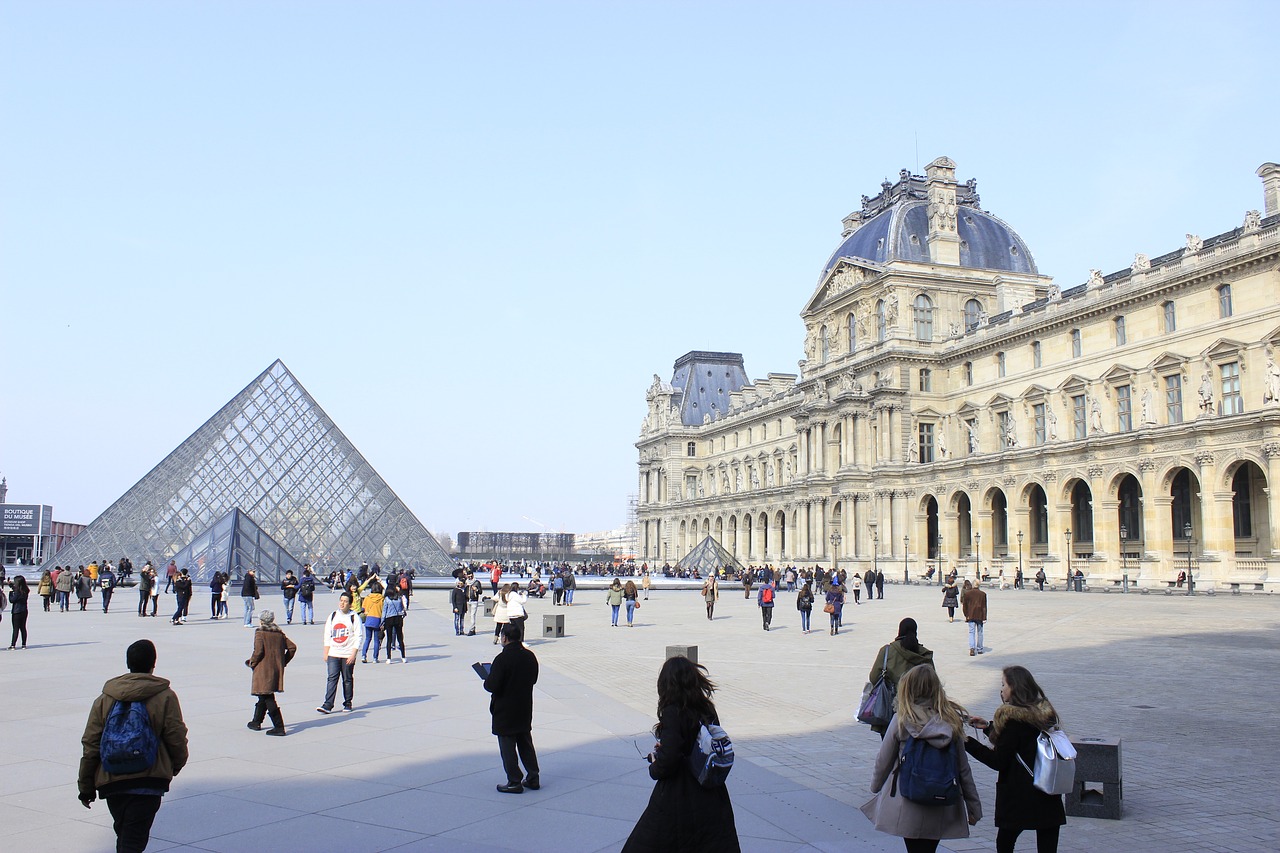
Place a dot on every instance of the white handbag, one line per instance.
(1055, 770)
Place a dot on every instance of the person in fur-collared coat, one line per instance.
(1018, 722)
(272, 651)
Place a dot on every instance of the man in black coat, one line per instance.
(511, 679)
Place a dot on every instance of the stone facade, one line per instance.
(948, 413)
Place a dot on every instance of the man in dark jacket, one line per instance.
(974, 604)
(511, 679)
(134, 798)
(458, 600)
(249, 595)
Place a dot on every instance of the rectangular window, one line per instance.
(1224, 301)
(1122, 337)
(1005, 429)
(1000, 363)
(1173, 398)
(926, 442)
(1232, 402)
(1075, 343)
(968, 373)
(691, 449)
(1170, 317)
(1124, 408)
(1036, 360)
(926, 379)
(1078, 417)
(1038, 409)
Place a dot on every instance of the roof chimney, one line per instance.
(1270, 174)
(944, 242)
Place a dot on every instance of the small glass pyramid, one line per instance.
(708, 556)
(273, 453)
(233, 545)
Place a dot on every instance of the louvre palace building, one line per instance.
(957, 409)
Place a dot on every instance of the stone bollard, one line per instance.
(1097, 761)
(553, 625)
(690, 652)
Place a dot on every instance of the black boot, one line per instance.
(277, 722)
(259, 711)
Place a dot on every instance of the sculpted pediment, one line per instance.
(1119, 374)
(1167, 361)
(844, 276)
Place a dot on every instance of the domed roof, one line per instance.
(896, 228)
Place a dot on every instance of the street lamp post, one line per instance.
(1019, 553)
(906, 577)
(875, 556)
(1124, 556)
(1191, 584)
(1068, 535)
(939, 556)
(977, 556)
(835, 553)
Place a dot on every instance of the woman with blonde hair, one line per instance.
(500, 613)
(922, 712)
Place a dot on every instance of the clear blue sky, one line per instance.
(475, 231)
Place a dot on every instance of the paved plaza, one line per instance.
(1188, 684)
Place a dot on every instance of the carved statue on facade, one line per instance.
(1095, 416)
(974, 444)
(1010, 432)
(1148, 407)
(768, 474)
(1271, 382)
(1206, 394)
(862, 316)
(943, 452)
(811, 345)
(1095, 279)
(1141, 263)
(1055, 293)
(724, 482)
(1194, 244)
(953, 330)
(787, 463)
(755, 478)
(1050, 423)
(913, 450)
(1252, 221)
(737, 480)
(891, 309)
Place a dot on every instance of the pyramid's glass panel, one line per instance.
(275, 454)
(708, 556)
(233, 545)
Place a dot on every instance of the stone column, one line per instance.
(802, 450)
(1106, 520)
(982, 524)
(1271, 450)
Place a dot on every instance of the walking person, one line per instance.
(557, 589)
(341, 642)
(249, 595)
(804, 603)
(45, 588)
(181, 592)
(613, 597)
(84, 589)
(307, 596)
(856, 584)
(134, 798)
(710, 594)
(834, 608)
(458, 602)
(63, 584)
(893, 660)
(644, 582)
(1040, 579)
(107, 586)
(516, 613)
(973, 601)
(500, 612)
(170, 575)
(879, 585)
(289, 592)
(1013, 732)
(272, 651)
(950, 598)
(764, 600)
(511, 678)
(570, 586)
(18, 609)
(475, 590)
(145, 580)
(683, 816)
(372, 622)
(922, 711)
(631, 597)
(393, 614)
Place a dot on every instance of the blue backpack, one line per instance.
(927, 774)
(129, 744)
(711, 758)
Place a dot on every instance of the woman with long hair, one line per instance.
(922, 711)
(516, 613)
(631, 595)
(393, 622)
(18, 594)
(951, 598)
(613, 597)
(835, 600)
(1013, 732)
(804, 603)
(682, 815)
(46, 588)
(500, 612)
(710, 592)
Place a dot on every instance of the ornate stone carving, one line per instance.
(1146, 464)
(1094, 471)
(1271, 450)
(1095, 417)
(1010, 432)
(1148, 408)
(1206, 395)
(943, 451)
(1194, 244)
(1095, 279)
(1204, 457)
(975, 445)
(1252, 221)
(1141, 263)
(1271, 382)
(1050, 423)
(891, 308)
(1050, 476)
(1055, 293)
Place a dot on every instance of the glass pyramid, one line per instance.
(708, 556)
(233, 545)
(273, 453)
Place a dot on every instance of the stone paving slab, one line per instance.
(1187, 683)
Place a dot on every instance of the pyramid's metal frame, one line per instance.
(274, 453)
(707, 557)
(233, 545)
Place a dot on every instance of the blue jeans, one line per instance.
(374, 634)
(339, 667)
(248, 608)
(458, 619)
(804, 619)
(975, 626)
(308, 610)
(64, 600)
(615, 613)
(631, 609)
(568, 596)
(288, 609)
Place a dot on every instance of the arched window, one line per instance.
(824, 343)
(1082, 511)
(1131, 507)
(853, 333)
(972, 312)
(1039, 516)
(882, 322)
(924, 318)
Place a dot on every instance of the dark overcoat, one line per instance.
(682, 815)
(1019, 803)
(511, 679)
(272, 651)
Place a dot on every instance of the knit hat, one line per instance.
(266, 617)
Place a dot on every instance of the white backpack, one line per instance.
(1055, 770)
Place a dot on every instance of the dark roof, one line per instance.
(706, 379)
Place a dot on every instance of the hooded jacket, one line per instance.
(900, 659)
(894, 814)
(166, 719)
(1019, 803)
